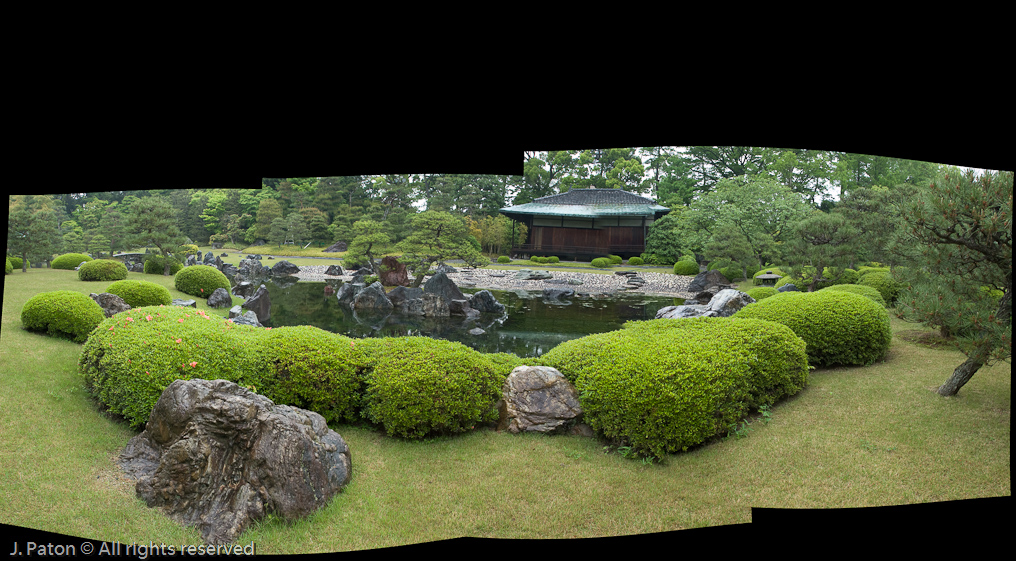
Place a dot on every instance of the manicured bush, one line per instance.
(139, 293)
(9, 268)
(697, 378)
(849, 276)
(504, 259)
(688, 268)
(732, 271)
(16, 262)
(883, 282)
(839, 327)
(200, 280)
(553, 259)
(866, 269)
(635, 261)
(62, 313)
(189, 249)
(102, 270)
(69, 260)
(600, 262)
(156, 265)
(415, 386)
(866, 291)
(615, 259)
(762, 292)
(651, 259)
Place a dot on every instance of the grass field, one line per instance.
(855, 437)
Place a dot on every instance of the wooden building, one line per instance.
(586, 223)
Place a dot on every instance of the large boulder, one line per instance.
(347, 292)
(336, 247)
(185, 303)
(334, 271)
(538, 399)
(220, 298)
(724, 304)
(244, 289)
(372, 299)
(260, 304)
(526, 274)
(283, 268)
(209, 259)
(484, 301)
(709, 281)
(110, 303)
(393, 273)
(444, 287)
(246, 318)
(218, 457)
(402, 294)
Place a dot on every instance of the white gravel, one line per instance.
(663, 284)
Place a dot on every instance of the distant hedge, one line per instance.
(200, 280)
(69, 260)
(687, 268)
(102, 270)
(139, 293)
(62, 313)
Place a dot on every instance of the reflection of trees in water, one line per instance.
(532, 327)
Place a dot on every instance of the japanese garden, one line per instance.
(615, 342)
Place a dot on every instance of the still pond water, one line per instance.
(530, 327)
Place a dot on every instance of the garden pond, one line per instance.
(530, 327)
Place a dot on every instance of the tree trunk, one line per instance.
(960, 376)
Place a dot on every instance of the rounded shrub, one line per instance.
(102, 270)
(615, 259)
(635, 261)
(553, 259)
(415, 386)
(133, 356)
(9, 267)
(69, 260)
(866, 291)
(849, 276)
(62, 313)
(504, 259)
(839, 327)
(888, 287)
(866, 269)
(600, 262)
(762, 292)
(16, 262)
(732, 271)
(156, 265)
(688, 268)
(139, 293)
(189, 249)
(200, 280)
(697, 378)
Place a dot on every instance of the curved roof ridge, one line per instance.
(594, 196)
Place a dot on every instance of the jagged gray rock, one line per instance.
(725, 304)
(217, 456)
(537, 399)
(220, 298)
(110, 303)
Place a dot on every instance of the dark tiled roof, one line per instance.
(589, 203)
(595, 197)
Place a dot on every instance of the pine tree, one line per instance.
(959, 244)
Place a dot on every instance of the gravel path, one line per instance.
(662, 284)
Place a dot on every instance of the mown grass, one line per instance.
(855, 437)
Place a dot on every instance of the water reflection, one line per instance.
(530, 327)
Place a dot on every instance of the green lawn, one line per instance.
(855, 437)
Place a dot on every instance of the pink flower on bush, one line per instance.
(130, 318)
(193, 364)
(149, 318)
(180, 320)
(179, 340)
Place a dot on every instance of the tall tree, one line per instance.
(369, 240)
(113, 225)
(437, 236)
(31, 228)
(960, 278)
(822, 240)
(153, 222)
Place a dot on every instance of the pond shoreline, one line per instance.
(657, 284)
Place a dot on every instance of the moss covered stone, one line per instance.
(681, 381)
(839, 327)
(62, 313)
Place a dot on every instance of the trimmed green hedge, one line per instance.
(883, 282)
(687, 268)
(694, 380)
(839, 327)
(156, 265)
(615, 259)
(635, 261)
(866, 291)
(762, 292)
(504, 259)
(62, 313)
(600, 262)
(200, 280)
(9, 267)
(139, 293)
(102, 270)
(16, 262)
(69, 260)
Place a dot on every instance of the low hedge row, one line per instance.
(139, 293)
(62, 313)
(682, 381)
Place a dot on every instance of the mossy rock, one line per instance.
(69, 260)
(200, 280)
(694, 380)
(62, 313)
(102, 270)
(139, 293)
(840, 328)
